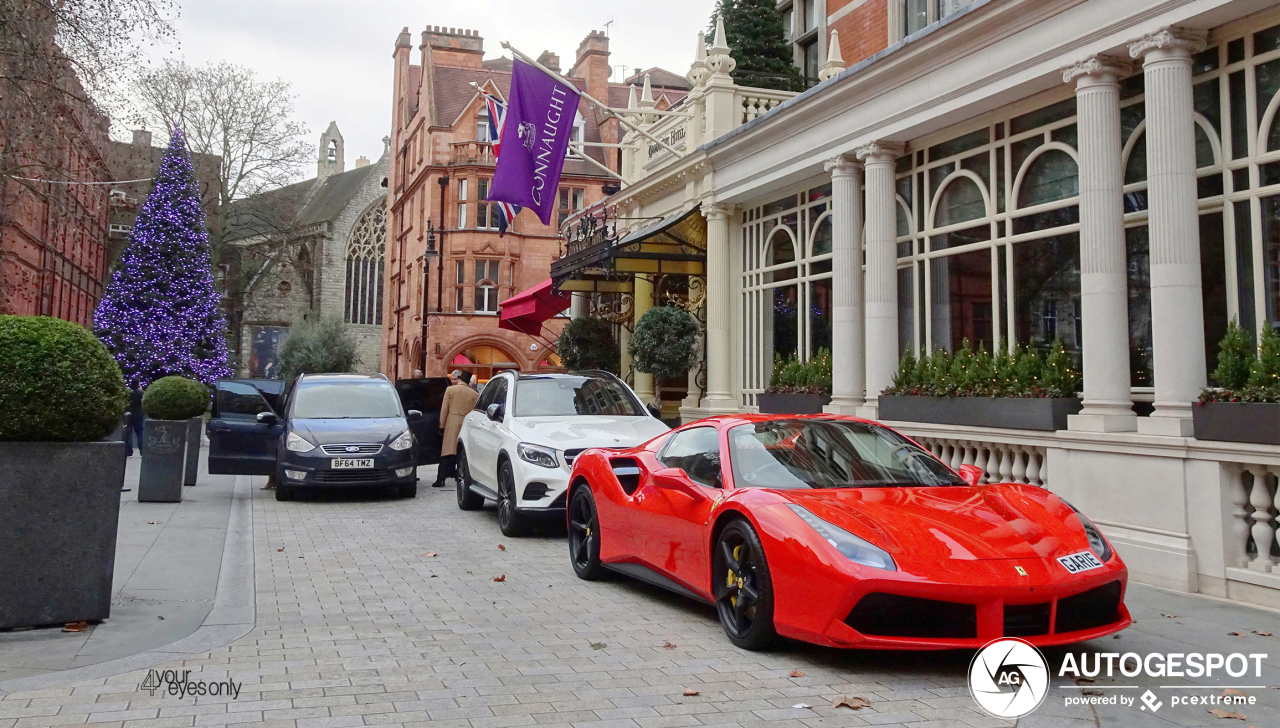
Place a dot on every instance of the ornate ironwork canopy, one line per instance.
(597, 260)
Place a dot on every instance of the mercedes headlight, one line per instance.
(403, 442)
(857, 550)
(538, 455)
(297, 443)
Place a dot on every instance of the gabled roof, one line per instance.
(297, 205)
(658, 77)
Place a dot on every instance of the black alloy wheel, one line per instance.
(743, 589)
(509, 520)
(584, 535)
(468, 500)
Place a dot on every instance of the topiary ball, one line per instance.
(57, 382)
(664, 343)
(175, 398)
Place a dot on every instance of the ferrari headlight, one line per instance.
(1100, 547)
(297, 443)
(403, 442)
(538, 455)
(857, 550)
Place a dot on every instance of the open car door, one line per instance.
(240, 444)
(426, 396)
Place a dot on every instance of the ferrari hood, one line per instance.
(929, 525)
(583, 431)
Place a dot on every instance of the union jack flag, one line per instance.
(497, 117)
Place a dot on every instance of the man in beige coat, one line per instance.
(459, 399)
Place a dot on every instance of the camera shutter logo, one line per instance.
(1008, 678)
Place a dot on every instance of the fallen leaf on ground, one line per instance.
(598, 645)
(159, 617)
(75, 627)
(1236, 634)
(278, 550)
(1227, 716)
(854, 703)
(431, 554)
(1262, 634)
(1090, 692)
(1231, 691)
(802, 705)
(668, 646)
(501, 547)
(500, 578)
(690, 692)
(433, 576)
(1170, 616)
(1115, 636)
(797, 673)
(156, 523)
(1081, 679)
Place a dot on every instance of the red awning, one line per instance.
(525, 312)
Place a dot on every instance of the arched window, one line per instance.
(365, 266)
(1052, 176)
(961, 201)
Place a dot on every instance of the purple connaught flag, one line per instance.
(535, 139)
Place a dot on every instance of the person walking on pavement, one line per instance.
(459, 399)
(133, 420)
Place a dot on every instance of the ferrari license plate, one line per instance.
(1083, 561)
(342, 463)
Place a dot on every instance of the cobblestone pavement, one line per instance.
(380, 611)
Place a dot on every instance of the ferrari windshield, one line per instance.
(567, 396)
(806, 453)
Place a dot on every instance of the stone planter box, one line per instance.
(1255, 422)
(1015, 413)
(793, 404)
(61, 506)
(192, 465)
(163, 460)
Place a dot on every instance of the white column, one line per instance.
(848, 359)
(1104, 297)
(578, 304)
(719, 397)
(1177, 307)
(644, 383)
(879, 160)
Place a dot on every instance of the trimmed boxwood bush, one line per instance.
(175, 398)
(588, 343)
(57, 382)
(664, 343)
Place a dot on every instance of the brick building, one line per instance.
(53, 220)
(442, 312)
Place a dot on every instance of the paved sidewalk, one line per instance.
(380, 611)
(168, 558)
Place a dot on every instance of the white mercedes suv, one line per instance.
(518, 444)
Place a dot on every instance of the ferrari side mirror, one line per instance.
(972, 474)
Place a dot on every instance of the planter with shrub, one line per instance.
(1014, 389)
(798, 387)
(1245, 407)
(61, 393)
(665, 342)
(588, 343)
(170, 403)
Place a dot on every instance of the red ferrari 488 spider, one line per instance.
(842, 532)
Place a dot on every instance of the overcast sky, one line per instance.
(337, 55)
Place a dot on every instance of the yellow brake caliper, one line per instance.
(734, 578)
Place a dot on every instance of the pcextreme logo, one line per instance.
(1008, 678)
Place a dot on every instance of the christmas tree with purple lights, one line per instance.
(160, 314)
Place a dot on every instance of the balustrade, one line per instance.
(1256, 503)
(755, 102)
(999, 462)
(471, 152)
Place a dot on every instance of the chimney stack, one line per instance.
(363, 161)
(456, 47)
(592, 63)
(550, 60)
